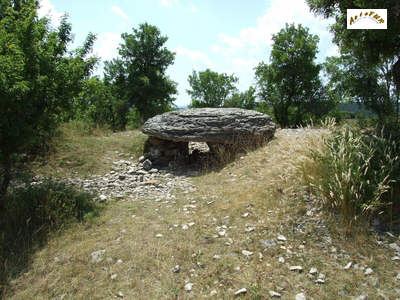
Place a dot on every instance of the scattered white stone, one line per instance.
(296, 268)
(281, 238)
(97, 256)
(222, 233)
(120, 295)
(188, 287)
(159, 235)
(133, 216)
(241, 292)
(191, 224)
(274, 294)
(348, 266)
(361, 297)
(245, 215)
(398, 276)
(247, 253)
(320, 281)
(249, 229)
(394, 247)
(300, 296)
(176, 269)
(368, 271)
(313, 271)
(213, 293)
(260, 256)
(395, 258)
(281, 260)
(217, 256)
(113, 276)
(185, 227)
(119, 261)
(237, 268)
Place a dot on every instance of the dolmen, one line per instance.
(221, 128)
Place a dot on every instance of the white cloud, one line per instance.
(46, 9)
(231, 41)
(119, 11)
(196, 57)
(193, 8)
(244, 64)
(258, 38)
(169, 3)
(106, 45)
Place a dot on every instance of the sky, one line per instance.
(226, 36)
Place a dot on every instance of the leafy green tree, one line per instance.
(38, 79)
(211, 89)
(349, 80)
(139, 75)
(290, 83)
(246, 99)
(94, 104)
(370, 46)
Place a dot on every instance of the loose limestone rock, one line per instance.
(215, 125)
(170, 133)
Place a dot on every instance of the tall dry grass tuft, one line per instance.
(356, 171)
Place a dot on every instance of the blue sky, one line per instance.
(230, 36)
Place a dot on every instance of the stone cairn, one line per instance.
(221, 128)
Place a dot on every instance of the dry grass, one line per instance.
(78, 153)
(265, 184)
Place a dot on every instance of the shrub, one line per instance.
(30, 213)
(357, 172)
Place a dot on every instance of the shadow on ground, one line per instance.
(33, 211)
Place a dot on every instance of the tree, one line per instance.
(289, 83)
(352, 81)
(211, 89)
(94, 104)
(138, 75)
(246, 99)
(370, 46)
(37, 80)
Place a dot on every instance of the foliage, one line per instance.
(32, 211)
(290, 83)
(138, 77)
(357, 172)
(246, 99)
(94, 104)
(38, 80)
(350, 80)
(211, 89)
(371, 45)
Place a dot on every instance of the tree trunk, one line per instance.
(396, 74)
(5, 181)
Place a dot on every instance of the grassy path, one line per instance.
(245, 227)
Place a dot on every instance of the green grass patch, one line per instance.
(80, 150)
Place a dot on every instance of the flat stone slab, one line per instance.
(212, 125)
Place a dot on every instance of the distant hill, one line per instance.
(354, 109)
